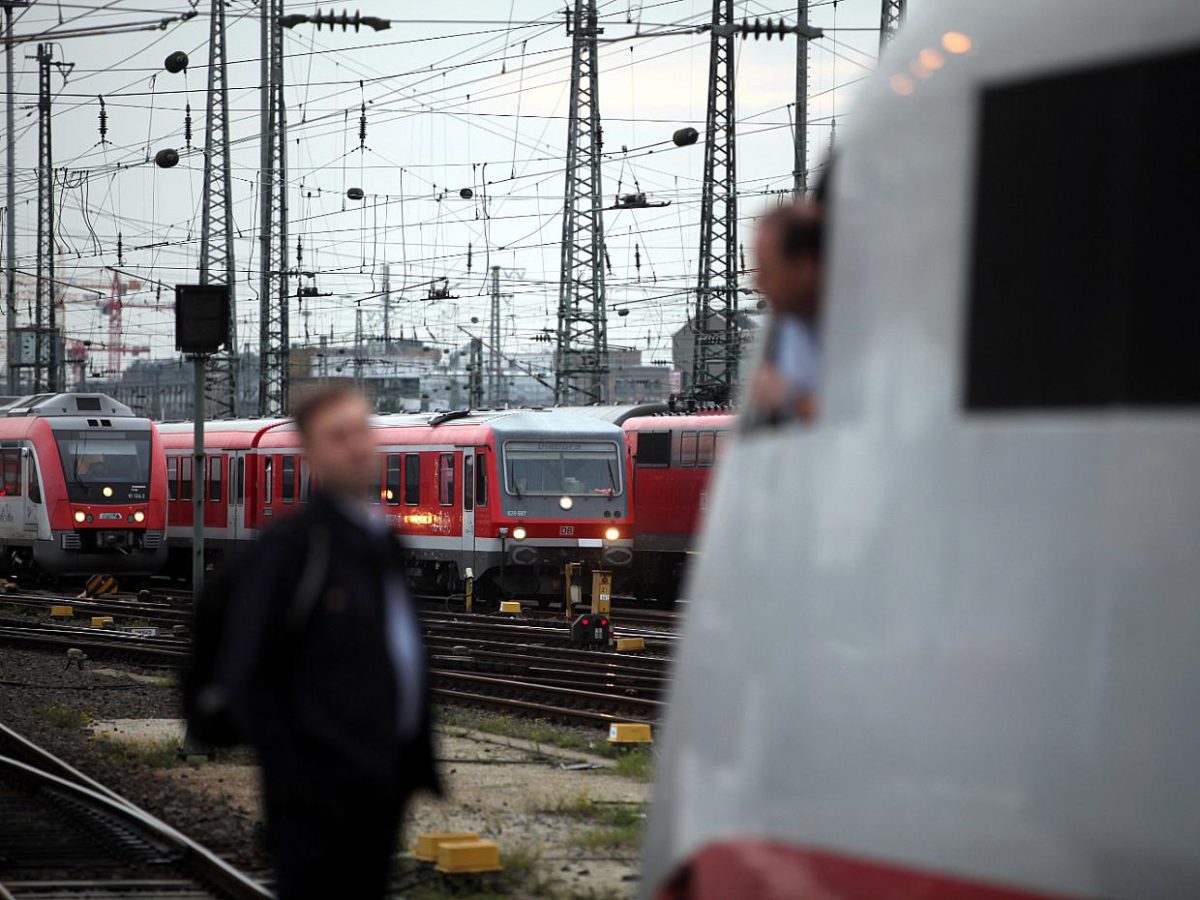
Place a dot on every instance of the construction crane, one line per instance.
(112, 303)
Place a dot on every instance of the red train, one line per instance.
(83, 487)
(511, 494)
(671, 454)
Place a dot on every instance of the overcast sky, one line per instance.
(450, 89)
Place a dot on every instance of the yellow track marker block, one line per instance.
(629, 733)
(457, 857)
(62, 612)
(429, 841)
(101, 621)
(624, 645)
(510, 606)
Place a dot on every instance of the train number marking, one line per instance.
(566, 530)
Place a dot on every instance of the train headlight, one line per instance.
(518, 533)
(107, 491)
(80, 515)
(139, 516)
(566, 502)
(611, 534)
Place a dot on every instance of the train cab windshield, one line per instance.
(541, 468)
(108, 465)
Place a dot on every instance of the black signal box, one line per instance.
(202, 316)
(592, 630)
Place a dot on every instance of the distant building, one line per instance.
(631, 381)
(683, 344)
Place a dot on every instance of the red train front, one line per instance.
(84, 487)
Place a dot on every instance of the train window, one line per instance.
(185, 478)
(391, 488)
(722, 445)
(446, 479)
(241, 480)
(215, 467)
(35, 486)
(687, 448)
(172, 478)
(706, 448)
(468, 482)
(481, 480)
(287, 471)
(268, 480)
(1082, 284)
(375, 493)
(412, 479)
(10, 460)
(654, 448)
(305, 480)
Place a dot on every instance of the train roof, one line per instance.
(65, 404)
(620, 415)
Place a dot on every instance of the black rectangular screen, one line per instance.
(201, 318)
(1084, 288)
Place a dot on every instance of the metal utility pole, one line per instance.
(216, 228)
(716, 345)
(581, 358)
(800, 169)
(10, 220)
(387, 308)
(45, 353)
(890, 19)
(497, 386)
(359, 349)
(475, 375)
(273, 339)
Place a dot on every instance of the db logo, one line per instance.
(566, 530)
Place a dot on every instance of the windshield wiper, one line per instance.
(612, 479)
(512, 475)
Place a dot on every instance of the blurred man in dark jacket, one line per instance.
(325, 671)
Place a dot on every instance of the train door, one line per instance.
(468, 510)
(235, 487)
(215, 512)
(33, 494)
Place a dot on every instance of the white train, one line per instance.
(945, 642)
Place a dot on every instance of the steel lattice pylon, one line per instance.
(46, 362)
(216, 225)
(475, 375)
(273, 340)
(716, 341)
(890, 18)
(581, 359)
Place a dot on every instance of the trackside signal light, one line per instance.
(612, 534)
(80, 516)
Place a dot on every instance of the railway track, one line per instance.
(63, 835)
(526, 665)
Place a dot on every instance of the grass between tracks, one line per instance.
(636, 763)
(61, 716)
(615, 825)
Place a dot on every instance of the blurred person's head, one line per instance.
(788, 262)
(335, 429)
